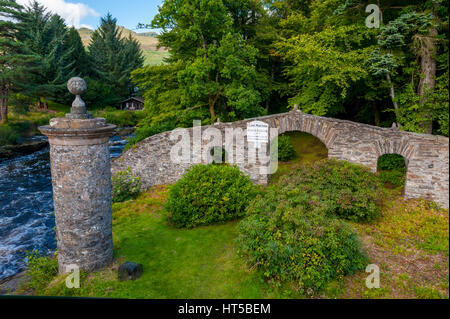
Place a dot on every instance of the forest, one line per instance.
(39, 53)
(236, 59)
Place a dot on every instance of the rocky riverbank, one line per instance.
(10, 285)
(125, 131)
(29, 147)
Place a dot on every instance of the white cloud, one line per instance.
(72, 13)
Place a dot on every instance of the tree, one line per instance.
(78, 55)
(114, 58)
(326, 57)
(394, 42)
(16, 61)
(336, 66)
(44, 34)
(219, 65)
(240, 58)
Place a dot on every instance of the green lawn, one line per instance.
(154, 57)
(195, 263)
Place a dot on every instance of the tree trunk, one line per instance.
(45, 104)
(272, 79)
(212, 102)
(392, 94)
(428, 76)
(212, 112)
(376, 113)
(3, 106)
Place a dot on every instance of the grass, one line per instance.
(149, 44)
(307, 149)
(27, 124)
(121, 118)
(409, 242)
(196, 263)
(154, 57)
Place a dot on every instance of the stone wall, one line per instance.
(427, 156)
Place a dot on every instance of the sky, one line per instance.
(87, 13)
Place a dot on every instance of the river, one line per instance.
(27, 221)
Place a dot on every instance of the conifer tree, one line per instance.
(45, 33)
(113, 58)
(78, 53)
(16, 61)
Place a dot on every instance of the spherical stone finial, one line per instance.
(77, 86)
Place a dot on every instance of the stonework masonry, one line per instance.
(81, 177)
(82, 190)
(427, 156)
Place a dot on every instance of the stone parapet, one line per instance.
(426, 156)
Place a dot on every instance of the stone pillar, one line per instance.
(82, 191)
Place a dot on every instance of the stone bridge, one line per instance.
(426, 156)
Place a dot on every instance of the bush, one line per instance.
(208, 194)
(8, 135)
(395, 177)
(288, 243)
(286, 150)
(218, 155)
(20, 104)
(41, 270)
(334, 188)
(125, 186)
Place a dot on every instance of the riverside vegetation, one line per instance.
(40, 53)
(289, 246)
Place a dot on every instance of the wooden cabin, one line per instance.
(135, 103)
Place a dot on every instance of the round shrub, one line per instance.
(207, 194)
(333, 187)
(305, 247)
(286, 150)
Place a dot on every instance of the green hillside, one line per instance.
(148, 41)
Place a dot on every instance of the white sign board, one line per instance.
(258, 132)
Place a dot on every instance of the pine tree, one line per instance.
(113, 58)
(16, 61)
(78, 53)
(45, 33)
